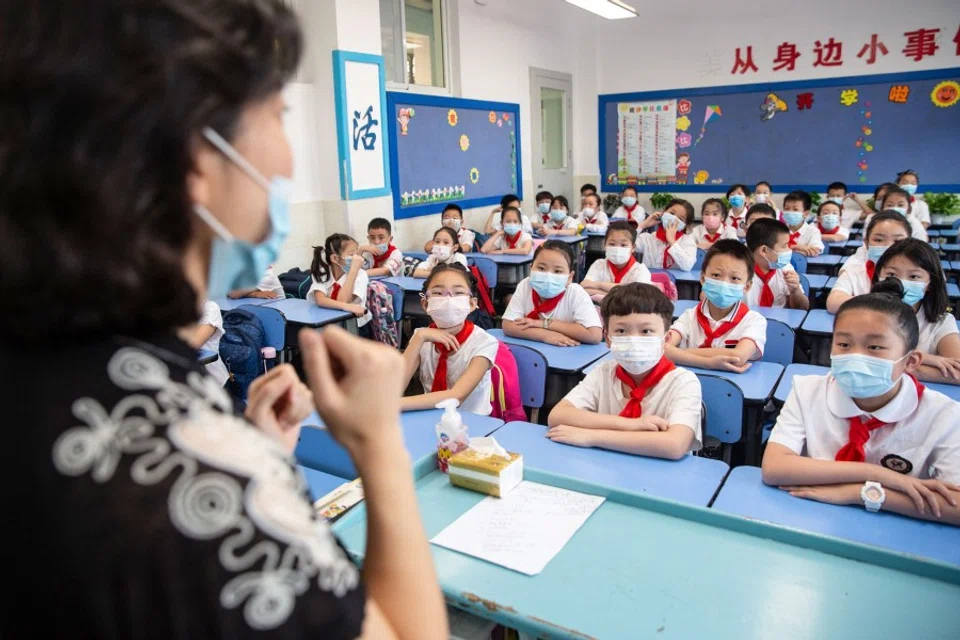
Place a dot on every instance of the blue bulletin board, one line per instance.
(445, 150)
(796, 135)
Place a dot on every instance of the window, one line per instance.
(413, 35)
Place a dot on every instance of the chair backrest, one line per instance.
(799, 262)
(317, 449)
(956, 224)
(724, 402)
(488, 268)
(274, 325)
(804, 284)
(532, 369)
(780, 339)
(397, 292)
(700, 255)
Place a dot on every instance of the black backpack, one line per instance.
(243, 338)
(296, 283)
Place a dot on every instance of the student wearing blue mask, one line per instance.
(722, 332)
(669, 246)
(737, 196)
(629, 210)
(911, 269)
(548, 306)
(829, 222)
(869, 434)
(896, 199)
(804, 237)
(511, 200)
(560, 222)
(909, 181)
(382, 258)
(511, 239)
(856, 276)
(775, 283)
(339, 281)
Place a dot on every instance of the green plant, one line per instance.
(943, 203)
(872, 203)
(610, 202)
(815, 200)
(660, 200)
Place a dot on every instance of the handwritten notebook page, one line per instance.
(522, 531)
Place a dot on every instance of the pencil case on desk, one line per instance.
(486, 468)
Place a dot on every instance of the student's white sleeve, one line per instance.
(922, 211)
(460, 259)
(844, 282)
(466, 236)
(944, 327)
(429, 263)
(684, 253)
(517, 307)
(816, 239)
(270, 282)
(918, 231)
(755, 328)
(681, 326)
(584, 311)
(595, 272)
(488, 349)
(729, 233)
(586, 395)
(639, 273)
(395, 262)
(525, 223)
(685, 406)
(571, 223)
(315, 286)
(619, 214)
(360, 288)
(945, 457)
(642, 240)
(601, 222)
(790, 429)
(211, 316)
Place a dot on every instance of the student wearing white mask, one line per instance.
(638, 401)
(896, 199)
(510, 200)
(619, 265)
(669, 246)
(629, 210)
(592, 216)
(445, 250)
(452, 218)
(909, 181)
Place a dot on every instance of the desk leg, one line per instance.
(509, 274)
(752, 427)
(351, 326)
(820, 350)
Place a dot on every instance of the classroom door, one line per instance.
(552, 135)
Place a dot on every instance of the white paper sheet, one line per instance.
(522, 531)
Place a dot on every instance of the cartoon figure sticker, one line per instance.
(683, 166)
(403, 117)
(464, 142)
(701, 177)
(452, 117)
(683, 123)
(946, 94)
(770, 106)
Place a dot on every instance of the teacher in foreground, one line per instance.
(143, 169)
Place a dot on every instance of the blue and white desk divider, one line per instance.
(532, 371)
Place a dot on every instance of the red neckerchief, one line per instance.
(512, 243)
(440, 377)
(794, 236)
(828, 232)
(619, 272)
(860, 430)
(545, 217)
(639, 390)
(723, 328)
(766, 294)
(379, 260)
(544, 306)
(630, 211)
(870, 266)
(711, 237)
(335, 290)
(662, 237)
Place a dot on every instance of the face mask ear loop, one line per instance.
(213, 223)
(227, 149)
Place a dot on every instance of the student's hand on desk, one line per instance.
(840, 494)
(575, 436)
(439, 337)
(495, 252)
(357, 309)
(729, 363)
(949, 367)
(559, 340)
(920, 491)
(278, 403)
(649, 423)
(526, 323)
(792, 278)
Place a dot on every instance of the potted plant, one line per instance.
(942, 204)
(660, 200)
(611, 202)
(815, 200)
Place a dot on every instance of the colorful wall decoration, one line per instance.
(796, 135)
(446, 150)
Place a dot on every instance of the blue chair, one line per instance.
(317, 449)
(274, 325)
(699, 263)
(723, 412)
(956, 225)
(488, 268)
(532, 370)
(799, 262)
(780, 339)
(805, 285)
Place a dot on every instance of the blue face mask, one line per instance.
(347, 263)
(793, 218)
(628, 201)
(548, 285)
(783, 259)
(382, 247)
(236, 264)
(901, 210)
(511, 228)
(831, 221)
(722, 295)
(861, 376)
(558, 215)
(874, 253)
(836, 199)
(913, 291)
(737, 201)
(909, 188)
(668, 219)
(543, 207)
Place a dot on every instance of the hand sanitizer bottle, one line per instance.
(452, 435)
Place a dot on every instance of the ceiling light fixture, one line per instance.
(609, 9)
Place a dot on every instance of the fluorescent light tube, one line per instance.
(609, 9)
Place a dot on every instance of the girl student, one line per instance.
(909, 180)
(629, 210)
(445, 250)
(829, 222)
(561, 222)
(911, 270)
(510, 238)
(592, 216)
(452, 217)
(620, 266)
(878, 194)
(857, 275)
(452, 355)
(548, 306)
(896, 199)
(737, 196)
(869, 433)
(340, 282)
(712, 213)
(669, 247)
(509, 200)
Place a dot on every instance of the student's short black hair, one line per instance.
(729, 248)
(453, 207)
(896, 191)
(884, 188)
(837, 185)
(588, 187)
(734, 187)
(557, 245)
(799, 196)
(510, 209)
(924, 256)
(765, 233)
(907, 172)
(760, 209)
(380, 223)
(829, 203)
(687, 209)
(894, 216)
(765, 183)
(621, 225)
(717, 201)
(885, 298)
(507, 199)
(594, 195)
(562, 200)
(629, 187)
(453, 237)
(636, 297)
(453, 266)
(544, 195)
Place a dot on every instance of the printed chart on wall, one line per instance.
(860, 130)
(451, 150)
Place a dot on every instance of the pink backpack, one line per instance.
(505, 397)
(665, 284)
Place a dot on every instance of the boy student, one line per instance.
(544, 198)
(869, 433)
(452, 218)
(586, 190)
(775, 282)
(384, 258)
(909, 180)
(830, 222)
(754, 213)
(639, 402)
(670, 247)
(736, 218)
(721, 332)
(804, 238)
(511, 200)
(619, 266)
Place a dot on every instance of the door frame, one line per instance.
(536, 128)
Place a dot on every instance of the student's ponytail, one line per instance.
(890, 287)
(320, 270)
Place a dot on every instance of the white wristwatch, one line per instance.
(873, 496)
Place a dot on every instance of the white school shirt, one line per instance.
(479, 344)
(600, 271)
(849, 216)
(738, 224)
(465, 236)
(815, 422)
(211, 316)
(858, 259)
(597, 224)
(525, 224)
(777, 284)
(676, 398)
(683, 251)
(359, 291)
(394, 262)
(810, 236)
(432, 261)
(853, 281)
(917, 230)
(921, 210)
(576, 306)
(639, 214)
(271, 283)
(931, 333)
(699, 233)
(501, 241)
(841, 231)
(566, 223)
(753, 327)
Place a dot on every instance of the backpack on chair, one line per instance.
(505, 400)
(380, 306)
(663, 282)
(483, 291)
(296, 283)
(243, 338)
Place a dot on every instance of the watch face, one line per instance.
(872, 494)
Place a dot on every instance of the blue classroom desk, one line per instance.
(229, 304)
(308, 314)
(793, 318)
(818, 281)
(511, 269)
(818, 325)
(826, 263)
(320, 483)
(854, 244)
(205, 356)
(744, 494)
(636, 569)
(692, 480)
(318, 450)
(786, 382)
(688, 283)
(838, 248)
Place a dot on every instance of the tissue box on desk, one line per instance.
(491, 474)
